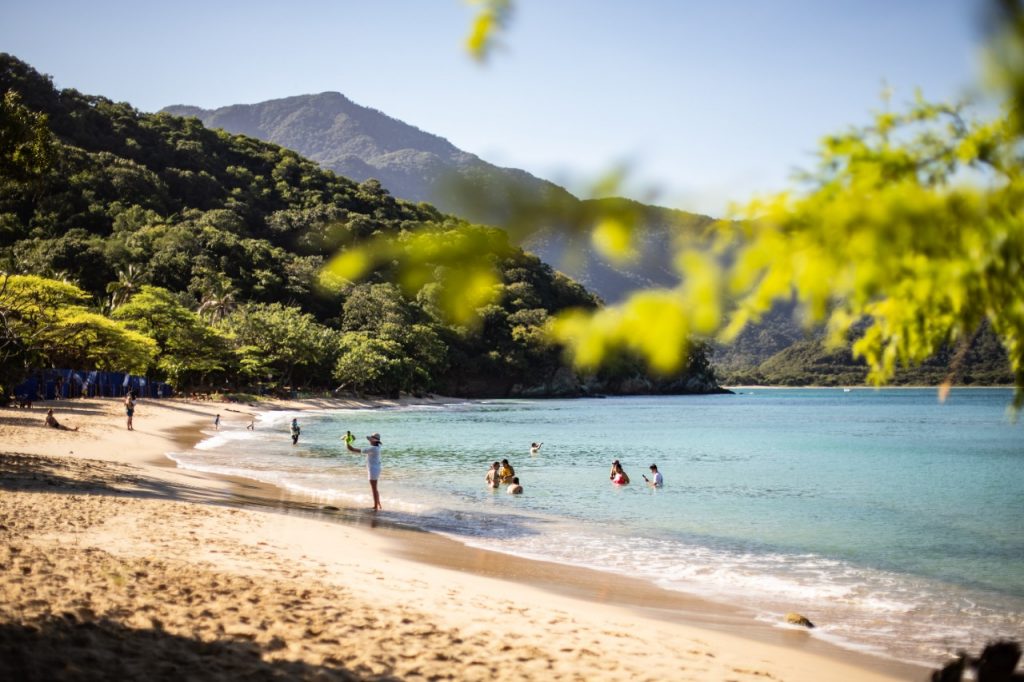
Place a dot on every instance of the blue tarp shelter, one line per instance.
(47, 384)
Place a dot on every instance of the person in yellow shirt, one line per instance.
(506, 472)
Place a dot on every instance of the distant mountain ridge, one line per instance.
(354, 141)
(362, 143)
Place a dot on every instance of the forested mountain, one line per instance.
(207, 246)
(363, 143)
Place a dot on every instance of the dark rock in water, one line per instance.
(797, 619)
(328, 507)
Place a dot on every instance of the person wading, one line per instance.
(372, 465)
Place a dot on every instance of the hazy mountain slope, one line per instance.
(361, 143)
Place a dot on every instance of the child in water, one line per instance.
(349, 438)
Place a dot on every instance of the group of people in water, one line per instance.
(618, 476)
(502, 474)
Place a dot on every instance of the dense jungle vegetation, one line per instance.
(146, 242)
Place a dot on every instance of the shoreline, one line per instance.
(784, 652)
(865, 387)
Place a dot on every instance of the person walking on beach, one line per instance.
(656, 480)
(493, 478)
(129, 409)
(252, 424)
(373, 465)
(295, 431)
(52, 422)
(514, 488)
(216, 422)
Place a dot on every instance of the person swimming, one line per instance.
(619, 475)
(535, 448)
(514, 488)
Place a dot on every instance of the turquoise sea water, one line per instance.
(894, 522)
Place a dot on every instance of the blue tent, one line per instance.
(47, 384)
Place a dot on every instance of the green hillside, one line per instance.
(363, 143)
(153, 212)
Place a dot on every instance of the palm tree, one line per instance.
(218, 299)
(128, 282)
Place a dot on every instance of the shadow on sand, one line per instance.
(64, 648)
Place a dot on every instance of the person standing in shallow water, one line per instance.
(656, 480)
(295, 431)
(492, 478)
(506, 472)
(373, 465)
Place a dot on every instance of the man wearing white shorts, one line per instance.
(372, 464)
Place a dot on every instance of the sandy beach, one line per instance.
(119, 566)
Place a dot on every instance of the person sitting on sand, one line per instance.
(535, 448)
(493, 478)
(52, 422)
(506, 472)
(620, 477)
(514, 488)
(657, 479)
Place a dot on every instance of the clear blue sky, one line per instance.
(708, 101)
